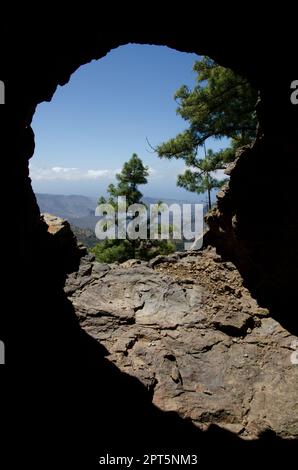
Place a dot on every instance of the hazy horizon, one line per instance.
(199, 198)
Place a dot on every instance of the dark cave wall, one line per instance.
(255, 225)
(256, 221)
(60, 411)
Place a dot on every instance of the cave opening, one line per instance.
(52, 318)
(83, 111)
(150, 77)
(142, 312)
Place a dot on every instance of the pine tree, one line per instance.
(133, 174)
(222, 104)
(200, 179)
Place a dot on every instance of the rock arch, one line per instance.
(40, 329)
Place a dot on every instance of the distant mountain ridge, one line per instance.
(66, 206)
(79, 210)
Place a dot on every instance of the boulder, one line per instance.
(189, 330)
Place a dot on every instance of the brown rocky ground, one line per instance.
(188, 329)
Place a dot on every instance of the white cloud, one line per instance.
(151, 171)
(99, 173)
(73, 174)
(68, 174)
(219, 174)
(60, 169)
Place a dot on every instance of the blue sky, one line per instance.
(104, 114)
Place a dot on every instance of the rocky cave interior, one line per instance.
(64, 378)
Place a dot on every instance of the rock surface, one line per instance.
(191, 332)
(66, 247)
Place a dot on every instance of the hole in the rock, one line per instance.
(213, 333)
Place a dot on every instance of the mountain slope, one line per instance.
(79, 210)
